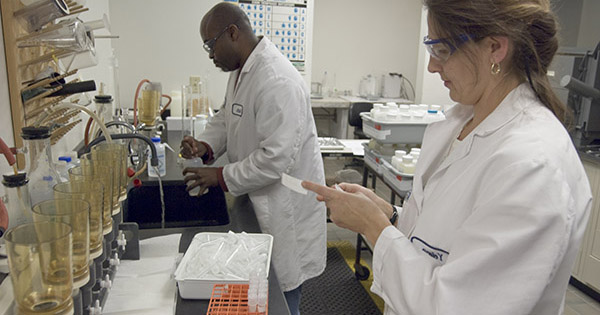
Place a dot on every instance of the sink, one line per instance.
(181, 210)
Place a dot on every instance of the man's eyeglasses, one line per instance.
(442, 48)
(209, 44)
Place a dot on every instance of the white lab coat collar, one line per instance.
(259, 49)
(506, 111)
(456, 118)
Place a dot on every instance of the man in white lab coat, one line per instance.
(266, 128)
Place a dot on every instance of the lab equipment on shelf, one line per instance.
(404, 125)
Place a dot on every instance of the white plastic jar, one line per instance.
(407, 166)
(162, 161)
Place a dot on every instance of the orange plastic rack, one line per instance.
(231, 299)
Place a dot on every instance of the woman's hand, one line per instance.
(385, 206)
(352, 209)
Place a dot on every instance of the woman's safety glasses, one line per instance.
(442, 48)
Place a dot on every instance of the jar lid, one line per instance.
(13, 180)
(407, 159)
(155, 139)
(35, 133)
(103, 99)
(65, 158)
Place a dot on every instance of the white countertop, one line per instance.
(329, 102)
(359, 99)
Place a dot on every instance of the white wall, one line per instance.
(430, 88)
(160, 41)
(589, 29)
(353, 38)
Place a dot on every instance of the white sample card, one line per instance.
(293, 183)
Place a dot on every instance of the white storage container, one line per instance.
(400, 183)
(201, 288)
(373, 159)
(407, 132)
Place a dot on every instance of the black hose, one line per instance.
(153, 159)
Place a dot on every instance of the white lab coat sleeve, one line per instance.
(215, 134)
(281, 111)
(503, 256)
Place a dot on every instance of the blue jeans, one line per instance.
(293, 300)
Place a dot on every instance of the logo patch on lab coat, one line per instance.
(237, 109)
(437, 254)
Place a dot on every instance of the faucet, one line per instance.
(153, 159)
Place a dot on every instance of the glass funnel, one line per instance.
(102, 174)
(149, 103)
(69, 35)
(113, 155)
(74, 212)
(85, 188)
(32, 17)
(41, 269)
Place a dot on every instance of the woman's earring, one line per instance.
(495, 68)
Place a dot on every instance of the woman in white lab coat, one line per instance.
(500, 199)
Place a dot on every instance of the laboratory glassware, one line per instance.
(149, 103)
(113, 154)
(190, 98)
(85, 188)
(32, 17)
(18, 202)
(102, 174)
(70, 36)
(41, 172)
(41, 269)
(74, 212)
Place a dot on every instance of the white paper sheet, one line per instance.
(293, 183)
(355, 145)
(146, 286)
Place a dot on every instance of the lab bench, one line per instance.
(215, 217)
(242, 218)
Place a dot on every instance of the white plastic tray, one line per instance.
(201, 288)
(373, 159)
(401, 183)
(407, 132)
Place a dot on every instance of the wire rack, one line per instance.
(231, 299)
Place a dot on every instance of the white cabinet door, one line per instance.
(589, 272)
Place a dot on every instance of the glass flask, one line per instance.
(41, 172)
(18, 202)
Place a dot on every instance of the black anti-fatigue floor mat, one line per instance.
(336, 291)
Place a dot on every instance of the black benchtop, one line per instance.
(241, 219)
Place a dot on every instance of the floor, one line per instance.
(577, 302)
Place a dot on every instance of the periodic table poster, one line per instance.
(284, 23)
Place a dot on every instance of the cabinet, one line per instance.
(587, 265)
